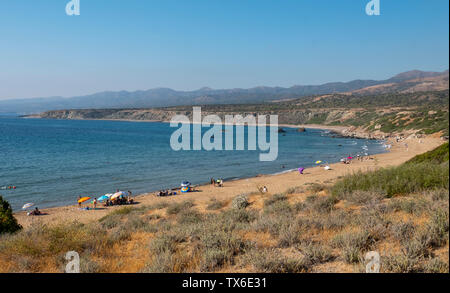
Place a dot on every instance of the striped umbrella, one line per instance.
(28, 205)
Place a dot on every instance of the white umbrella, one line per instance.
(28, 205)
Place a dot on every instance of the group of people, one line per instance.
(166, 193)
(7, 187)
(217, 182)
(120, 200)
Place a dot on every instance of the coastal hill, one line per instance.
(374, 116)
(411, 81)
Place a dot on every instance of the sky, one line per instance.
(188, 44)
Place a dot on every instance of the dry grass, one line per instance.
(287, 233)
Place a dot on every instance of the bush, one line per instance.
(175, 208)
(189, 217)
(437, 156)
(271, 261)
(363, 197)
(436, 266)
(352, 244)
(409, 205)
(316, 253)
(274, 199)
(400, 263)
(214, 204)
(324, 204)
(289, 235)
(166, 243)
(240, 202)
(161, 263)
(8, 224)
(403, 231)
(438, 228)
(404, 179)
(278, 207)
(293, 190)
(41, 240)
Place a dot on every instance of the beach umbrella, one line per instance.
(104, 197)
(318, 162)
(327, 168)
(83, 199)
(185, 184)
(349, 158)
(116, 195)
(28, 205)
(300, 170)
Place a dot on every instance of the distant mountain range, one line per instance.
(410, 81)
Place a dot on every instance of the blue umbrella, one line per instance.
(104, 197)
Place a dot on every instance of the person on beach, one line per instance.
(36, 212)
(79, 203)
(213, 182)
(265, 190)
(95, 203)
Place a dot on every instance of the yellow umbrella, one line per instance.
(318, 162)
(83, 199)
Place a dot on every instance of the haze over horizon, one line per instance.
(221, 45)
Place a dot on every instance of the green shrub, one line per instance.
(437, 156)
(8, 224)
(404, 179)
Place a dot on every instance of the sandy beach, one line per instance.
(397, 155)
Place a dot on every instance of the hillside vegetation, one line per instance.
(380, 115)
(311, 228)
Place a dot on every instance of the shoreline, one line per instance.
(344, 131)
(276, 183)
(230, 179)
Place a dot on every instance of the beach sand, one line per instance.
(275, 183)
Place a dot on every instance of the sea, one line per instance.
(53, 162)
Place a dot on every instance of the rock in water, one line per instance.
(301, 129)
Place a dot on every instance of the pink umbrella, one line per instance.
(349, 158)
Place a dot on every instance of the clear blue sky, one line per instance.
(188, 44)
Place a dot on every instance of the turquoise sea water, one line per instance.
(52, 162)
